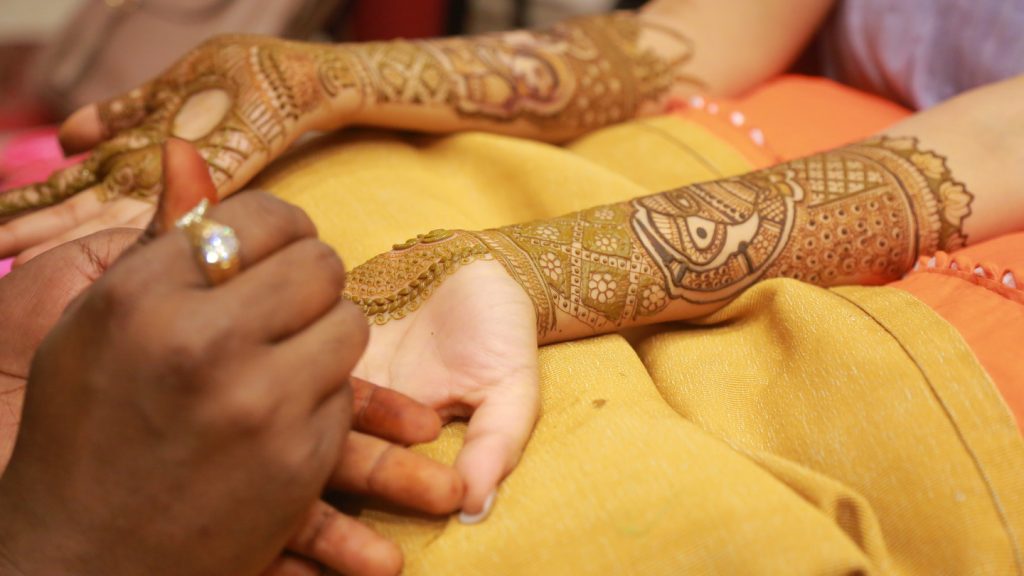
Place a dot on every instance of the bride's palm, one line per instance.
(470, 351)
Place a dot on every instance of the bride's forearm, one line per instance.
(860, 214)
(550, 84)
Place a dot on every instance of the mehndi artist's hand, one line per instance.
(241, 100)
(469, 350)
(374, 463)
(33, 297)
(157, 436)
(372, 460)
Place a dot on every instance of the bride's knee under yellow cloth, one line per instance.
(797, 431)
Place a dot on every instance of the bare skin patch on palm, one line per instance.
(200, 114)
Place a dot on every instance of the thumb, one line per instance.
(186, 180)
(495, 439)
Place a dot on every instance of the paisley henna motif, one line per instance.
(858, 214)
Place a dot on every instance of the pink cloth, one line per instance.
(28, 157)
(32, 156)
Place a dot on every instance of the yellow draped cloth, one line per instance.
(797, 431)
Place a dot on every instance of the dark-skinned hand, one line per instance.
(319, 534)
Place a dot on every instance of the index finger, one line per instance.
(262, 224)
(391, 415)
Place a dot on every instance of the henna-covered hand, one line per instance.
(372, 461)
(242, 100)
(469, 351)
(456, 314)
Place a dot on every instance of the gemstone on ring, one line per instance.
(219, 246)
(215, 246)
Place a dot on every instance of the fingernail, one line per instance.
(480, 516)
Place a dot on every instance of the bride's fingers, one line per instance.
(31, 229)
(373, 467)
(81, 131)
(344, 544)
(62, 184)
(392, 415)
(123, 112)
(93, 123)
(497, 433)
(140, 221)
(117, 215)
(121, 158)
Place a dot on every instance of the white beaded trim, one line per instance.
(737, 118)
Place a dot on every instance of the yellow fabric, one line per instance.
(798, 431)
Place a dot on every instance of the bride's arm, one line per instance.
(860, 214)
(242, 100)
(557, 83)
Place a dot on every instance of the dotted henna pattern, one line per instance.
(394, 284)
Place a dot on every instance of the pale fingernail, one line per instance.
(482, 514)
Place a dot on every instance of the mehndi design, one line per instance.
(270, 86)
(861, 213)
(579, 75)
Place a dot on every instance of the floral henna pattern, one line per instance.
(858, 214)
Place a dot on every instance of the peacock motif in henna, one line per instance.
(858, 214)
(576, 76)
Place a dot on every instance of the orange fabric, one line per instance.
(793, 116)
(978, 290)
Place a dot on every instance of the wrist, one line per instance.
(343, 80)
